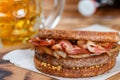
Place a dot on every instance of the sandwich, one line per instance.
(75, 54)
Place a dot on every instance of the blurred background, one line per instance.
(103, 12)
(21, 19)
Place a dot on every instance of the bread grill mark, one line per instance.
(73, 49)
(77, 35)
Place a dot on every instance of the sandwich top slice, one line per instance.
(77, 42)
(75, 53)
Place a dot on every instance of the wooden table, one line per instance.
(70, 19)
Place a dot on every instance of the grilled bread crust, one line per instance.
(75, 73)
(79, 35)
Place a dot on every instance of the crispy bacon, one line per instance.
(42, 42)
(77, 50)
(92, 47)
(69, 48)
(63, 45)
(81, 47)
(110, 46)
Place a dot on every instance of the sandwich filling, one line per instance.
(72, 48)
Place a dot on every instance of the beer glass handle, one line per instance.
(55, 16)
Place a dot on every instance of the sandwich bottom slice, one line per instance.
(81, 54)
(46, 64)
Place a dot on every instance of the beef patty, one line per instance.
(78, 62)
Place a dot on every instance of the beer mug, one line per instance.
(20, 20)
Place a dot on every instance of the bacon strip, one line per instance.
(42, 42)
(92, 47)
(88, 47)
(69, 48)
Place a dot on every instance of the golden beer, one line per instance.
(18, 21)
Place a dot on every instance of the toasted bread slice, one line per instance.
(79, 35)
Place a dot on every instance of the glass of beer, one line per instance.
(20, 20)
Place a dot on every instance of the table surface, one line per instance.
(70, 19)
